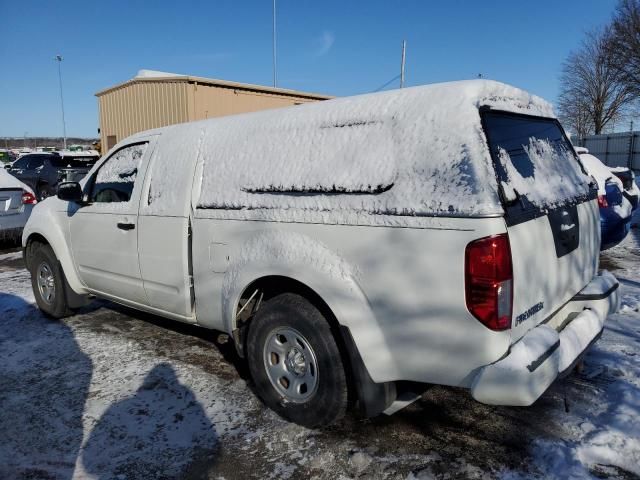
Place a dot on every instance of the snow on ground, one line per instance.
(114, 394)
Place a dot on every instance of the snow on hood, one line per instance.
(9, 181)
(416, 151)
(600, 172)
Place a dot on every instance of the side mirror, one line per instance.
(70, 192)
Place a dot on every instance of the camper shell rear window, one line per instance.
(536, 166)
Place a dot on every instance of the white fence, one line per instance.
(614, 149)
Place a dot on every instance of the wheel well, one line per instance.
(265, 288)
(33, 238)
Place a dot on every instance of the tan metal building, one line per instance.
(157, 99)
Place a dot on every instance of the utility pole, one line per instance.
(404, 48)
(275, 74)
(25, 139)
(58, 58)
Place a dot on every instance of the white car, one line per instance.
(626, 179)
(16, 202)
(439, 234)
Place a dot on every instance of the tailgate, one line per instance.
(10, 201)
(551, 214)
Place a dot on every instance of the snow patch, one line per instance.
(122, 167)
(556, 175)
(600, 172)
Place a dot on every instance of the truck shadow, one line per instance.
(161, 431)
(45, 379)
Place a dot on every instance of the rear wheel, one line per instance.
(295, 362)
(47, 281)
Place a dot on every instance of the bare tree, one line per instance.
(574, 114)
(624, 43)
(592, 95)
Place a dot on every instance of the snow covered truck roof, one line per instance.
(418, 151)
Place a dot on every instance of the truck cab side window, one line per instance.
(116, 178)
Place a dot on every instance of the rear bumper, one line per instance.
(545, 353)
(613, 230)
(14, 223)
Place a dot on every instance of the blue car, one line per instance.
(615, 209)
(615, 216)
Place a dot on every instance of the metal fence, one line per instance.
(614, 149)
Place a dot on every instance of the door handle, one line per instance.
(126, 226)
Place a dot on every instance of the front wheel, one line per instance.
(47, 281)
(295, 362)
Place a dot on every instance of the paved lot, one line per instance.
(111, 393)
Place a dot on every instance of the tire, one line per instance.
(47, 281)
(290, 338)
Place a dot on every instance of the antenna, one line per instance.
(275, 75)
(404, 48)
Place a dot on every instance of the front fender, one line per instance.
(313, 264)
(50, 223)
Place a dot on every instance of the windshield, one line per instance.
(534, 161)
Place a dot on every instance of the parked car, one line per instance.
(615, 208)
(630, 189)
(16, 202)
(43, 171)
(443, 234)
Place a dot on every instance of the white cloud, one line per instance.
(324, 43)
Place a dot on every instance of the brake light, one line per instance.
(28, 198)
(489, 281)
(602, 201)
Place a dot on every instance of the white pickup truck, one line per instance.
(442, 234)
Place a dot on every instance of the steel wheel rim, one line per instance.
(291, 364)
(46, 283)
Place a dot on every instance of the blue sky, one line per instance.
(334, 47)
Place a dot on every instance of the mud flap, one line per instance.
(373, 398)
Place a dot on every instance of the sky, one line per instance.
(332, 47)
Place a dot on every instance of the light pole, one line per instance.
(58, 58)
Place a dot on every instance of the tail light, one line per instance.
(28, 198)
(489, 281)
(602, 201)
